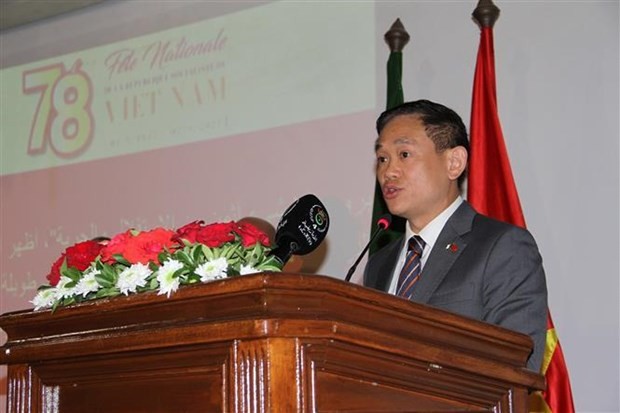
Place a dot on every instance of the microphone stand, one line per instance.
(382, 225)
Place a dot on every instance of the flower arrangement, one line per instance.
(159, 259)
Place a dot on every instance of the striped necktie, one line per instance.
(410, 273)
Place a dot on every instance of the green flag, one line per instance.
(396, 37)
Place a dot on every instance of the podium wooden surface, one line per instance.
(268, 342)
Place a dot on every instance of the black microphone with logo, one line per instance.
(302, 228)
(383, 223)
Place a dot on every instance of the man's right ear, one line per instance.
(457, 161)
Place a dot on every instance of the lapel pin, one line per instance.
(452, 247)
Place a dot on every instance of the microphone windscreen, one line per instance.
(384, 221)
(304, 223)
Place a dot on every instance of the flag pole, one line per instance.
(396, 38)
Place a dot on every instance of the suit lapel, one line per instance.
(447, 249)
(387, 265)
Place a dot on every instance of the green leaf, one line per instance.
(250, 256)
(163, 257)
(153, 284)
(208, 253)
(72, 273)
(108, 292)
(63, 266)
(179, 272)
(269, 267)
(233, 271)
(71, 284)
(272, 260)
(233, 250)
(107, 278)
(192, 278)
(68, 301)
(197, 254)
(184, 258)
(44, 287)
(121, 260)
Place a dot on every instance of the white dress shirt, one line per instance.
(429, 234)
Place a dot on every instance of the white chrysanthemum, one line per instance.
(44, 298)
(168, 283)
(133, 277)
(61, 288)
(247, 269)
(212, 270)
(88, 283)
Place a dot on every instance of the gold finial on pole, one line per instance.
(397, 37)
(486, 13)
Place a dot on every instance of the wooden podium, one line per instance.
(268, 342)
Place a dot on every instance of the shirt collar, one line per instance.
(431, 231)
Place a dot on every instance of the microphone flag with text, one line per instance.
(301, 229)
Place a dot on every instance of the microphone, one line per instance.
(301, 229)
(383, 223)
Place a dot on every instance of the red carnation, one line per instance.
(146, 246)
(216, 235)
(250, 235)
(141, 248)
(212, 235)
(189, 231)
(116, 245)
(78, 256)
(54, 276)
(81, 255)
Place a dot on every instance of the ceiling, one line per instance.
(14, 13)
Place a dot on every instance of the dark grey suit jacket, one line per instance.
(494, 275)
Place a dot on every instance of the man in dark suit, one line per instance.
(461, 261)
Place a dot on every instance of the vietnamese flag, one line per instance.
(491, 191)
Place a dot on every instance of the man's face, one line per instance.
(417, 181)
